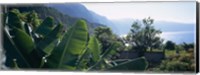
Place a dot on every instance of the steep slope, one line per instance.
(73, 10)
(80, 11)
(44, 12)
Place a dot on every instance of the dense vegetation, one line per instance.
(178, 62)
(47, 46)
(144, 38)
(36, 37)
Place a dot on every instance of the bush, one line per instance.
(183, 62)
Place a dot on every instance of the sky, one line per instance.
(166, 11)
(180, 12)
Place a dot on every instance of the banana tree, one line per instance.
(48, 47)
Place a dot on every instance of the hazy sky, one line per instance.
(167, 11)
(182, 12)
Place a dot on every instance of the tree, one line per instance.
(170, 45)
(144, 38)
(187, 46)
(105, 36)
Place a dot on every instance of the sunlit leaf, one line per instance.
(66, 54)
(46, 27)
(23, 41)
(47, 44)
(94, 48)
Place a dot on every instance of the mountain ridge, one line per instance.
(74, 10)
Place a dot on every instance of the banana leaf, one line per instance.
(46, 27)
(138, 64)
(102, 57)
(94, 48)
(12, 52)
(26, 47)
(47, 44)
(23, 41)
(91, 54)
(66, 54)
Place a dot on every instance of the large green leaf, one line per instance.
(47, 44)
(83, 61)
(102, 57)
(26, 46)
(46, 27)
(109, 50)
(94, 48)
(19, 45)
(92, 52)
(138, 64)
(12, 52)
(23, 41)
(65, 55)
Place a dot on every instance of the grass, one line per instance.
(169, 53)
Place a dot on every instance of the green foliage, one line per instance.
(23, 41)
(32, 18)
(142, 38)
(170, 45)
(183, 62)
(64, 56)
(43, 12)
(76, 51)
(188, 46)
(104, 35)
(45, 44)
(46, 27)
(107, 38)
(94, 48)
(179, 48)
(12, 52)
(90, 55)
(173, 66)
(104, 56)
(138, 64)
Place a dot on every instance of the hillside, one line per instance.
(78, 10)
(44, 11)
